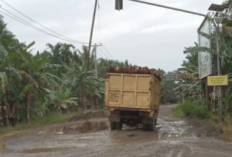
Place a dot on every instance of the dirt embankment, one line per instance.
(204, 129)
(81, 123)
(88, 115)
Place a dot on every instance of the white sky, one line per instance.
(143, 34)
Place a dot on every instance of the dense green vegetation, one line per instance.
(192, 110)
(33, 86)
(196, 104)
(167, 86)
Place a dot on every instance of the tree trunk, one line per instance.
(17, 112)
(28, 107)
(80, 96)
(83, 96)
(7, 110)
(12, 115)
(95, 102)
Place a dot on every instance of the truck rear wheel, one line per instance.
(152, 127)
(112, 125)
(119, 125)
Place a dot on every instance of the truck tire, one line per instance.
(152, 127)
(118, 125)
(112, 125)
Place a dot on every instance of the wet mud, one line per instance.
(91, 137)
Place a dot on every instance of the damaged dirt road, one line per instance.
(174, 137)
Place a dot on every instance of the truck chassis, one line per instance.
(132, 118)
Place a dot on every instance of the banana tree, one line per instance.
(36, 77)
(62, 100)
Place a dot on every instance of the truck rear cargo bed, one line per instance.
(132, 91)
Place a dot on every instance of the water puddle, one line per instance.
(45, 150)
(9, 136)
(173, 129)
(13, 136)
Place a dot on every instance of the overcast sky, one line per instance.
(145, 35)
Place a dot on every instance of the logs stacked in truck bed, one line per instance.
(134, 70)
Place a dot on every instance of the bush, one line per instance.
(191, 110)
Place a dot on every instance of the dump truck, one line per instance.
(133, 98)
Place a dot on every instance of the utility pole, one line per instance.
(87, 59)
(91, 33)
(219, 73)
(216, 22)
(96, 68)
(95, 58)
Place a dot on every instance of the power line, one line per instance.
(40, 24)
(107, 51)
(100, 55)
(9, 14)
(31, 26)
(103, 53)
(97, 48)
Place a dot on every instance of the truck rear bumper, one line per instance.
(117, 118)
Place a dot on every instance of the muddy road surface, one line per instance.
(174, 137)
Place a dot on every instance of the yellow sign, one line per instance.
(217, 80)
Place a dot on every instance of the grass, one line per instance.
(227, 128)
(191, 110)
(49, 119)
(227, 132)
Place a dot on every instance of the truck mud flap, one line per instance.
(114, 118)
(147, 120)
